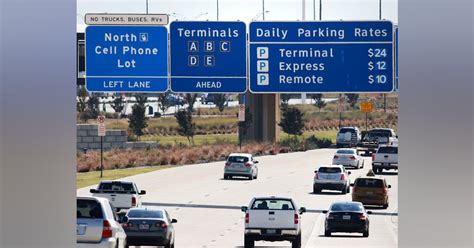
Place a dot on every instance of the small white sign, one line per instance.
(101, 130)
(126, 19)
(241, 112)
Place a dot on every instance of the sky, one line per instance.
(244, 10)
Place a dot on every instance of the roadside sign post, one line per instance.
(101, 131)
(366, 107)
(317, 57)
(241, 121)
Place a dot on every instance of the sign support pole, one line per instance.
(366, 120)
(101, 156)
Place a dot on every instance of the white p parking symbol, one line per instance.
(262, 52)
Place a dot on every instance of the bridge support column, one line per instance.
(265, 109)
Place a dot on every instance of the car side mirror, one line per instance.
(348, 173)
(174, 221)
(93, 191)
(255, 162)
(325, 211)
(302, 210)
(352, 185)
(369, 212)
(389, 186)
(244, 209)
(142, 192)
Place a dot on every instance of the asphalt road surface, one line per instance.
(207, 207)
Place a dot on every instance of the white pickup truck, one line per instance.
(386, 157)
(121, 194)
(272, 219)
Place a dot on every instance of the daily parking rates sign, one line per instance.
(126, 58)
(208, 57)
(340, 56)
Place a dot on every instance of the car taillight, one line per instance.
(128, 224)
(247, 218)
(373, 157)
(352, 157)
(297, 219)
(248, 164)
(106, 229)
(385, 191)
(330, 217)
(161, 225)
(316, 175)
(343, 177)
(362, 217)
(227, 164)
(336, 157)
(134, 201)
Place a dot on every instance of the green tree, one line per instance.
(319, 102)
(292, 121)
(93, 106)
(118, 105)
(186, 127)
(190, 100)
(137, 120)
(164, 101)
(352, 99)
(285, 98)
(219, 100)
(81, 104)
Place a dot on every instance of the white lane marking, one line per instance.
(317, 229)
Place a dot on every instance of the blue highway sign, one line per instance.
(208, 57)
(321, 57)
(126, 59)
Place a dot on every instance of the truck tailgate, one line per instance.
(386, 158)
(275, 219)
(117, 200)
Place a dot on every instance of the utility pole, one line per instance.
(384, 95)
(147, 7)
(217, 9)
(303, 18)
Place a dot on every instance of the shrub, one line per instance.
(291, 142)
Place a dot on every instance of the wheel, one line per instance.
(338, 146)
(327, 233)
(250, 177)
(344, 190)
(255, 177)
(296, 243)
(226, 177)
(365, 234)
(348, 189)
(316, 190)
(385, 206)
(248, 242)
(358, 165)
(363, 162)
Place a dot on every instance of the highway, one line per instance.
(207, 207)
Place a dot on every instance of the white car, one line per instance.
(349, 158)
(332, 177)
(242, 165)
(272, 219)
(97, 224)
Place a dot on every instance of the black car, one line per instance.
(149, 227)
(348, 217)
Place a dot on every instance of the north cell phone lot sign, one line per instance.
(208, 57)
(321, 57)
(126, 59)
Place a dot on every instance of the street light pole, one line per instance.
(320, 9)
(263, 10)
(217, 9)
(384, 95)
(147, 7)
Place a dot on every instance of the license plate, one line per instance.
(80, 229)
(271, 231)
(346, 217)
(370, 193)
(143, 226)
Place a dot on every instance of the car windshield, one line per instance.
(142, 213)
(369, 183)
(329, 170)
(88, 209)
(345, 130)
(346, 207)
(238, 159)
(380, 133)
(273, 204)
(116, 186)
(347, 151)
(388, 149)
